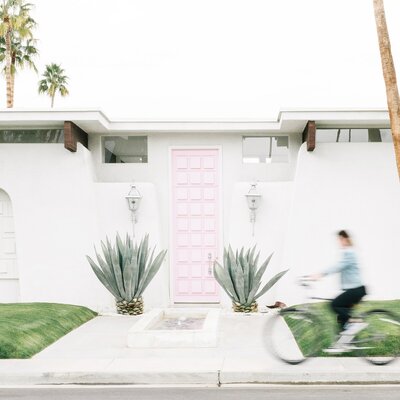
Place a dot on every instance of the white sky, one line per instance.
(210, 58)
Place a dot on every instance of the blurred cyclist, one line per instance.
(351, 284)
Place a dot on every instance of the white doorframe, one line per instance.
(170, 218)
(9, 279)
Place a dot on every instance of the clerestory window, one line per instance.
(353, 135)
(265, 149)
(124, 149)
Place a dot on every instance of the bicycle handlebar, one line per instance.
(305, 280)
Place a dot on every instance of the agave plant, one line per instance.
(126, 269)
(241, 278)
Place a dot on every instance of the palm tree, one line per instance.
(15, 21)
(54, 80)
(389, 75)
(22, 55)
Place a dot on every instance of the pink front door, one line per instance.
(195, 225)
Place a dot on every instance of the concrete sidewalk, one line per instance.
(96, 353)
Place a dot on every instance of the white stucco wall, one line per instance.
(114, 216)
(9, 291)
(350, 186)
(270, 228)
(66, 202)
(52, 196)
(156, 171)
(60, 213)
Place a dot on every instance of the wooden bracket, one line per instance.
(72, 135)
(309, 135)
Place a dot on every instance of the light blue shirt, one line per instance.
(347, 266)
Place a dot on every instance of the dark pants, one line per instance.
(344, 302)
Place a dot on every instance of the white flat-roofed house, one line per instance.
(64, 176)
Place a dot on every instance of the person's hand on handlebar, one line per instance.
(314, 277)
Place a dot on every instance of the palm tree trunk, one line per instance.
(8, 69)
(389, 74)
(12, 88)
(13, 71)
(52, 100)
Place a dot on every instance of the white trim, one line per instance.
(220, 205)
(287, 121)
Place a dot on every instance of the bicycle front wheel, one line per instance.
(292, 336)
(379, 342)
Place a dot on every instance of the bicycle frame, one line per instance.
(362, 343)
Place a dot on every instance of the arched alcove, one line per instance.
(9, 281)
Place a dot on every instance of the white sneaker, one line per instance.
(353, 328)
(337, 349)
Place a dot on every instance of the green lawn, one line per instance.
(327, 328)
(27, 328)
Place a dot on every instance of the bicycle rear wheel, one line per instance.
(292, 336)
(379, 342)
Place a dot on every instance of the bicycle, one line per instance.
(293, 335)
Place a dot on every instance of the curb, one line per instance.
(213, 378)
(115, 378)
(306, 378)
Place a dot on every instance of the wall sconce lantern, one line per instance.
(253, 198)
(133, 198)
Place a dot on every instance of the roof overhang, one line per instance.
(287, 121)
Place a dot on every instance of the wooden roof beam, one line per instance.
(72, 135)
(309, 134)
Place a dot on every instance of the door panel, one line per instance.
(195, 224)
(8, 256)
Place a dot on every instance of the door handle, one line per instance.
(209, 264)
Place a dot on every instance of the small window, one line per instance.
(32, 136)
(353, 135)
(125, 149)
(265, 149)
(386, 135)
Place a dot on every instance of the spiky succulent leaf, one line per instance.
(129, 279)
(106, 269)
(246, 270)
(261, 270)
(106, 253)
(238, 278)
(136, 272)
(150, 272)
(222, 276)
(227, 262)
(143, 253)
(252, 272)
(121, 252)
(270, 284)
(103, 279)
(117, 271)
(251, 260)
(127, 258)
(228, 273)
(252, 294)
(126, 268)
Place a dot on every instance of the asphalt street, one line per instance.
(291, 392)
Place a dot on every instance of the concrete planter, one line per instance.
(145, 333)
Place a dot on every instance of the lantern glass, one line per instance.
(134, 197)
(253, 197)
